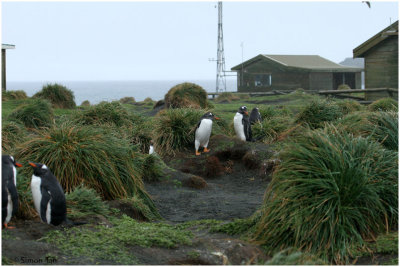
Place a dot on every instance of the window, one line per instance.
(262, 80)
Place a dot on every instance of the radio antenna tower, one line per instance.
(221, 81)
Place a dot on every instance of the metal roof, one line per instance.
(7, 46)
(308, 62)
(392, 30)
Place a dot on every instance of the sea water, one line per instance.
(97, 91)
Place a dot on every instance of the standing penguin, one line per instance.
(255, 116)
(151, 147)
(242, 124)
(203, 132)
(48, 195)
(9, 188)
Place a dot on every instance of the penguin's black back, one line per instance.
(255, 116)
(8, 186)
(52, 191)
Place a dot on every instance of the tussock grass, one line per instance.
(349, 106)
(12, 133)
(292, 257)
(153, 168)
(13, 95)
(330, 191)
(128, 100)
(384, 104)
(269, 130)
(174, 129)
(381, 126)
(186, 95)
(59, 95)
(87, 155)
(26, 208)
(85, 103)
(34, 114)
(104, 114)
(84, 201)
(318, 112)
(226, 96)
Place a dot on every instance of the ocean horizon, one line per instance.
(97, 91)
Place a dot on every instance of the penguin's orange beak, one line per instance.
(246, 112)
(216, 118)
(32, 164)
(18, 164)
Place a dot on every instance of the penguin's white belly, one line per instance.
(9, 208)
(151, 150)
(239, 128)
(15, 176)
(48, 212)
(36, 193)
(204, 131)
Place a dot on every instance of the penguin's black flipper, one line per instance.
(4, 203)
(43, 204)
(14, 197)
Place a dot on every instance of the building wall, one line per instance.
(381, 64)
(321, 81)
(281, 78)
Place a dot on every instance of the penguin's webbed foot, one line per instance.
(206, 150)
(198, 153)
(8, 227)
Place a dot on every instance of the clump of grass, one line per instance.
(141, 209)
(226, 97)
(384, 104)
(330, 191)
(34, 114)
(237, 227)
(26, 208)
(85, 103)
(317, 113)
(111, 243)
(87, 155)
(343, 87)
(349, 106)
(186, 95)
(84, 201)
(292, 257)
(128, 100)
(270, 129)
(12, 133)
(140, 134)
(13, 95)
(59, 95)
(174, 129)
(381, 126)
(104, 114)
(152, 168)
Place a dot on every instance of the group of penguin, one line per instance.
(47, 193)
(242, 123)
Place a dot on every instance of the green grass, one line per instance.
(114, 243)
(36, 113)
(293, 257)
(384, 104)
(59, 96)
(330, 191)
(317, 113)
(186, 95)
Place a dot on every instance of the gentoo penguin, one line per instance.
(151, 148)
(255, 116)
(48, 195)
(9, 188)
(242, 124)
(203, 132)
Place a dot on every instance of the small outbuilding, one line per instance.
(265, 73)
(3, 64)
(381, 54)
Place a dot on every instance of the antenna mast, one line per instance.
(221, 81)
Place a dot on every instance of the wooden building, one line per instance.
(3, 64)
(381, 54)
(265, 73)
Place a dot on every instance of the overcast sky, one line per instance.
(67, 41)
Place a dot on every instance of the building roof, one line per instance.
(307, 62)
(7, 46)
(392, 30)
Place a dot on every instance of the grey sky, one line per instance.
(61, 41)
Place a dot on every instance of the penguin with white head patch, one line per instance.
(9, 200)
(203, 132)
(48, 195)
(241, 124)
